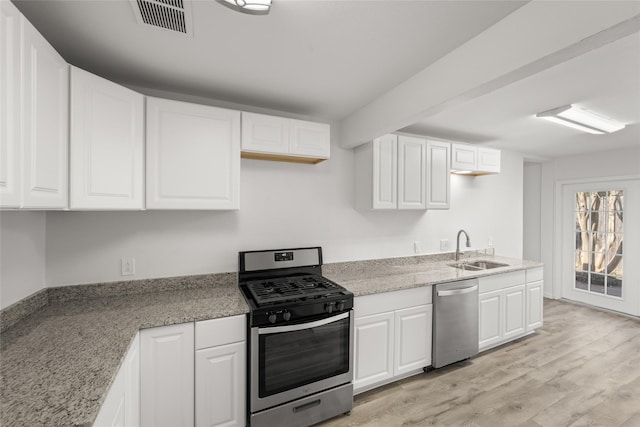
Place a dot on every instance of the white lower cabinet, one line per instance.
(121, 407)
(392, 336)
(167, 376)
(535, 294)
(490, 309)
(221, 372)
(413, 339)
(373, 350)
(509, 307)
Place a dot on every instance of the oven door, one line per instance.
(292, 361)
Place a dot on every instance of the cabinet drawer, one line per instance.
(534, 274)
(390, 301)
(501, 281)
(225, 330)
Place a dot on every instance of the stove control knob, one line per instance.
(272, 318)
(286, 315)
(340, 305)
(328, 307)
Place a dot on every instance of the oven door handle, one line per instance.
(302, 326)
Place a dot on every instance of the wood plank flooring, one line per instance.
(582, 368)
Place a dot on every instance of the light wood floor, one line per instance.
(581, 369)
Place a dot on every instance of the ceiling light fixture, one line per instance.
(252, 7)
(578, 118)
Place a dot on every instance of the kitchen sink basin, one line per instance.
(478, 265)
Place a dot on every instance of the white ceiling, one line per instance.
(605, 80)
(328, 59)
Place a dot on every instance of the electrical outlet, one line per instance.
(490, 242)
(128, 266)
(416, 247)
(444, 244)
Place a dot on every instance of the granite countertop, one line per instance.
(57, 364)
(372, 277)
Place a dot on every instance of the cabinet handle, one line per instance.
(453, 292)
(307, 406)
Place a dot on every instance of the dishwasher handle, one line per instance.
(460, 291)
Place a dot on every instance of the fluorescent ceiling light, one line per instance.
(252, 7)
(578, 118)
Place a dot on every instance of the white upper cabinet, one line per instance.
(10, 188)
(412, 158)
(34, 111)
(193, 156)
(267, 137)
(377, 174)
(488, 160)
(438, 175)
(473, 160)
(394, 172)
(107, 144)
(45, 119)
(464, 157)
(265, 134)
(309, 139)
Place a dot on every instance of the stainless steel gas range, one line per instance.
(301, 338)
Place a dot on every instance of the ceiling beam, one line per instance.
(535, 37)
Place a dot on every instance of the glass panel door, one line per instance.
(600, 236)
(599, 241)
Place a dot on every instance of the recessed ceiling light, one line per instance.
(581, 119)
(252, 7)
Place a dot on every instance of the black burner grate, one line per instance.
(290, 288)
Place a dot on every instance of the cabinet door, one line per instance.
(121, 406)
(167, 376)
(113, 410)
(132, 384)
(107, 144)
(193, 156)
(490, 323)
(265, 134)
(514, 311)
(488, 160)
(221, 386)
(373, 349)
(309, 139)
(438, 174)
(464, 157)
(10, 161)
(385, 172)
(412, 158)
(412, 338)
(45, 120)
(534, 305)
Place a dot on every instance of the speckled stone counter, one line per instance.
(392, 274)
(57, 364)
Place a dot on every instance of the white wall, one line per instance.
(531, 211)
(604, 164)
(22, 255)
(282, 205)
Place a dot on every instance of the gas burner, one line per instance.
(293, 288)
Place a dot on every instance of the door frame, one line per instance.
(558, 227)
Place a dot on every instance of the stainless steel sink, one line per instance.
(478, 265)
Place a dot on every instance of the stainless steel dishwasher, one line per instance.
(455, 321)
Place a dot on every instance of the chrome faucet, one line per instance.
(458, 243)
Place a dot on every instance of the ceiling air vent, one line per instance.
(174, 15)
